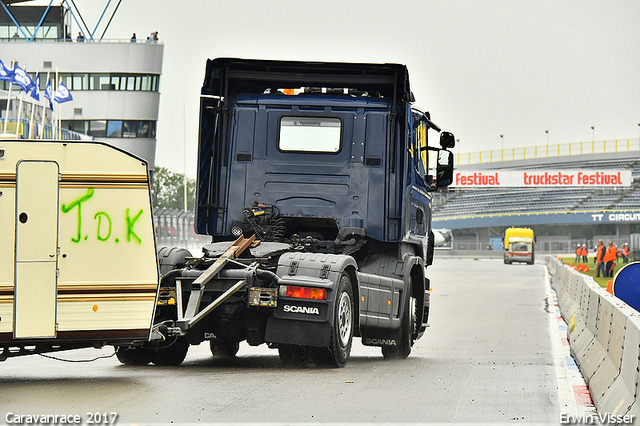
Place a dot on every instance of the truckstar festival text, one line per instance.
(529, 178)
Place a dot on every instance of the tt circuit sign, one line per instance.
(632, 217)
(542, 178)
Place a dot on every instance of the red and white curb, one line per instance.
(573, 392)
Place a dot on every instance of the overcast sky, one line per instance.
(481, 67)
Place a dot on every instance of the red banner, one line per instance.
(542, 178)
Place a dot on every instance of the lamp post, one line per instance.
(547, 132)
(593, 133)
(502, 142)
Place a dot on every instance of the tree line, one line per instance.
(167, 190)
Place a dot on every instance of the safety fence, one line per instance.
(604, 337)
(175, 228)
(543, 151)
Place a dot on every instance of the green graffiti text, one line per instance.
(104, 222)
(66, 208)
(99, 216)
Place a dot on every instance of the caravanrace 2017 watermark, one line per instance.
(61, 419)
(596, 419)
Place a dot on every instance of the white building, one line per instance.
(115, 84)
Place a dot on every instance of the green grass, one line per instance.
(602, 281)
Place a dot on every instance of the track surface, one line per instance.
(487, 357)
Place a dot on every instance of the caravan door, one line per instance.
(36, 249)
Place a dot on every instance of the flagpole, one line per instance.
(6, 116)
(44, 113)
(54, 88)
(20, 108)
(33, 105)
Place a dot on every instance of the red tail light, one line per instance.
(306, 293)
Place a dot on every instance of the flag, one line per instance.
(62, 94)
(35, 92)
(5, 73)
(48, 95)
(21, 78)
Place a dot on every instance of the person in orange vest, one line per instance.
(600, 259)
(625, 253)
(584, 253)
(609, 259)
(578, 253)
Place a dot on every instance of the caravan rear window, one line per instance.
(310, 134)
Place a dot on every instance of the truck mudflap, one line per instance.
(296, 332)
(303, 321)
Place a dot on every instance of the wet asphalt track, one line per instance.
(487, 357)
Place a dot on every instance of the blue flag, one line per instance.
(48, 95)
(35, 91)
(62, 94)
(22, 79)
(5, 73)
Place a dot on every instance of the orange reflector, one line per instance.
(95, 308)
(289, 92)
(306, 292)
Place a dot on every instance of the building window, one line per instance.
(113, 128)
(99, 81)
(97, 128)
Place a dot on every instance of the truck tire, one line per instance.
(172, 354)
(134, 356)
(342, 330)
(403, 348)
(224, 349)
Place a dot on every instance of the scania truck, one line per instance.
(314, 182)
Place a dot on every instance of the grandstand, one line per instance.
(561, 216)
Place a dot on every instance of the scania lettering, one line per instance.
(380, 342)
(315, 182)
(301, 309)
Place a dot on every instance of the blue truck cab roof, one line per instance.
(324, 143)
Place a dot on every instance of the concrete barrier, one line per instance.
(604, 337)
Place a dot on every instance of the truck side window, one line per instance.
(420, 145)
(310, 134)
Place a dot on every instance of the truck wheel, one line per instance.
(224, 349)
(403, 349)
(172, 354)
(134, 356)
(342, 330)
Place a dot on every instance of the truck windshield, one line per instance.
(310, 134)
(521, 247)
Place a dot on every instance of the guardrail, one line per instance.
(543, 151)
(604, 337)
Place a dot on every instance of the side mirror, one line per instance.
(444, 169)
(447, 140)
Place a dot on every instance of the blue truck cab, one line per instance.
(328, 167)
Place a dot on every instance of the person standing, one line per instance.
(585, 254)
(610, 259)
(578, 254)
(625, 253)
(600, 259)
